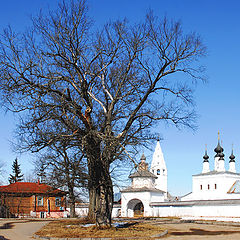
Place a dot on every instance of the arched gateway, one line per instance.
(135, 208)
(137, 198)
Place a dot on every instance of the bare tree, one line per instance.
(64, 168)
(105, 88)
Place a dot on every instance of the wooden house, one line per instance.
(28, 199)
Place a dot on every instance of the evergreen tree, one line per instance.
(16, 176)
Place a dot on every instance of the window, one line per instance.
(163, 171)
(200, 187)
(208, 186)
(158, 172)
(40, 200)
(215, 186)
(58, 201)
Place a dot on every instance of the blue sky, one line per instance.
(217, 102)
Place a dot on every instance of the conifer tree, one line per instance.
(16, 176)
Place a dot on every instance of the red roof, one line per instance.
(30, 187)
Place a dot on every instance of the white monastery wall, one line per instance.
(156, 197)
(198, 209)
(213, 186)
(83, 210)
(172, 211)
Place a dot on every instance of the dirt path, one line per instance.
(12, 229)
(194, 231)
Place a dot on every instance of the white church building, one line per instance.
(215, 193)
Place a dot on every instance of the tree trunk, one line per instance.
(72, 203)
(72, 210)
(100, 187)
(101, 200)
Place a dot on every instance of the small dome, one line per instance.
(232, 157)
(218, 149)
(205, 157)
(143, 166)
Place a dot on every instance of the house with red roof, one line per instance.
(28, 199)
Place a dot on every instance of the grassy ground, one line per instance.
(75, 229)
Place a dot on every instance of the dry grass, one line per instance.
(74, 229)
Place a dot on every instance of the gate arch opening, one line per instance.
(135, 208)
(138, 210)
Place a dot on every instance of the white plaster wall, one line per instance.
(223, 181)
(116, 211)
(157, 197)
(172, 211)
(139, 182)
(83, 211)
(227, 211)
(144, 197)
(216, 165)
(205, 167)
(161, 182)
(216, 211)
(232, 167)
(80, 211)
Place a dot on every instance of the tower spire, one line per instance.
(232, 157)
(205, 157)
(219, 157)
(218, 149)
(158, 167)
(205, 168)
(232, 167)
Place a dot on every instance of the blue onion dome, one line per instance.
(205, 157)
(232, 157)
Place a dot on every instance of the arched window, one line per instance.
(215, 186)
(158, 172)
(200, 187)
(208, 186)
(163, 171)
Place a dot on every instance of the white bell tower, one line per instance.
(158, 167)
